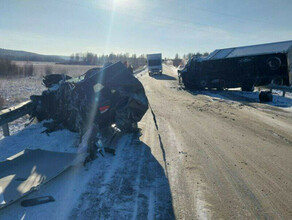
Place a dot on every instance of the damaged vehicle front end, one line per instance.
(101, 101)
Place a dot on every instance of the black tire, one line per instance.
(265, 96)
(274, 63)
(203, 83)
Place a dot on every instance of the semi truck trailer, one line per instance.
(243, 67)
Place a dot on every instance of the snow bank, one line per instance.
(32, 138)
(232, 96)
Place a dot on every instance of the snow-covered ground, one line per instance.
(32, 138)
(15, 91)
(131, 184)
(285, 103)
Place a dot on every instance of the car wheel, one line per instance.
(274, 63)
(203, 84)
(265, 96)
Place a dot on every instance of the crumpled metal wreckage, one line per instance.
(91, 104)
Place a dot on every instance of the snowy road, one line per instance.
(201, 155)
(227, 156)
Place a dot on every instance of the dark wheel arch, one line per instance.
(247, 86)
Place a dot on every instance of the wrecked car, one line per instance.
(92, 103)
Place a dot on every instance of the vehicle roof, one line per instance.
(154, 54)
(278, 47)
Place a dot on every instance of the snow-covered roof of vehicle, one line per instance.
(279, 47)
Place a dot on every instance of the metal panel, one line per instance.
(212, 54)
(222, 53)
(279, 47)
(261, 49)
(15, 112)
(28, 170)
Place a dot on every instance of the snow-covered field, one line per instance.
(15, 91)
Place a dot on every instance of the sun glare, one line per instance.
(118, 4)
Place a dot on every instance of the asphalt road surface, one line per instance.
(227, 158)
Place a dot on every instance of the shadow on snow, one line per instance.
(132, 186)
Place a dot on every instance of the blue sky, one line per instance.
(63, 27)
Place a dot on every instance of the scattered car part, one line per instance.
(29, 170)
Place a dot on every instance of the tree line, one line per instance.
(9, 69)
(190, 55)
(99, 60)
(182, 60)
(134, 60)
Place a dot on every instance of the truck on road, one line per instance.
(243, 67)
(154, 64)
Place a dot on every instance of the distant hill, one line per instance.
(28, 56)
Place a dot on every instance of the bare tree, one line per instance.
(72, 58)
(28, 69)
(77, 57)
